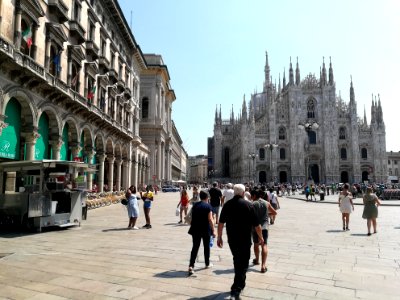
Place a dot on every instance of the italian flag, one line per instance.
(90, 94)
(27, 35)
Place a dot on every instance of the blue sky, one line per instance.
(215, 52)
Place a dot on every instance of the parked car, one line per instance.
(170, 188)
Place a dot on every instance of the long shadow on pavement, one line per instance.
(217, 296)
(334, 231)
(172, 274)
(115, 229)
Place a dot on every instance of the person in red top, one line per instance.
(184, 203)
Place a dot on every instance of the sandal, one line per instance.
(255, 262)
(263, 270)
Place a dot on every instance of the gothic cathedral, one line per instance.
(297, 132)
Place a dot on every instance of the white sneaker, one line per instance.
(135, 228)
(210, 266)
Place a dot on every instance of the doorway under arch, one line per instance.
(262, 177)
(282, 176)
(344, 177)
(364, 176)
(314, 173)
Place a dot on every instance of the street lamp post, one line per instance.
(271, 147)
(252, 156)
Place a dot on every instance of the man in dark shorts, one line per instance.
(215, 200)
(240, 218)
(262, 209)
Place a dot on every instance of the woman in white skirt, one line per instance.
(346, 205)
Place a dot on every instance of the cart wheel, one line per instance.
(27, 223)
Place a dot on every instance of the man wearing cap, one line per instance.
(240, 217)
(227, 194)
(215, 200)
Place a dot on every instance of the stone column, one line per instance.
(34, 47)
(100, 182)
(111, 160)
(56, 147)
(90, 154)
(159, 161)
(128, 173)
(30, 142)
(17, 29)
(134, 173)
(118, 178)
(75, 149)
(47, 53)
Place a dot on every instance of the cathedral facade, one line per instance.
(297, 132)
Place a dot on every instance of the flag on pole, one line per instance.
(27, 36)
(90, 94)
(56, 61)
(74, 80)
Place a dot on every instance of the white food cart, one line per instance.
(42, 193)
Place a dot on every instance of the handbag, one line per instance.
(177, 212)
(124, 202)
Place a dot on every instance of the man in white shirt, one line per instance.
(228, 193)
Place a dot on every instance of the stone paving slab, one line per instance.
(310, 257)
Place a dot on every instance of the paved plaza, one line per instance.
(310, 257)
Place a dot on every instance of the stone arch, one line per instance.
(54, 121)
(28, 110)
(125, 151)
(109, 146)
(99, 143)
(87, 141)
(117, 150)
(73, 129)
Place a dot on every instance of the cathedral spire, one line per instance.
(220, 118)
(232, 114)
(244, 108)
(297, 72)
(373, 113)
(216, 113)
(330, 72)
(279, 86)
(284, 78)
(267, 72)
(352, 98)
(365, 117)
(291, 77)
(323, 71)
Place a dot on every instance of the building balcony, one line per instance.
(112, 75)
(76, 31)
(59, 9)
(103, 62)
(92, 49)
(128, 92)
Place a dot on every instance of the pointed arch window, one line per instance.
(261, 153)
(343, 153)
(342, 133)
(364, 153)
(312, 137)
(145, 108)
(282, 133)
(282, 154)
(310, 109)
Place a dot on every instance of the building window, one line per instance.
(364, 153)
(27, 38)
(77, 12)
(312, 137)
(91, 32)
(342, 133)
(145, 108)
(390, 172)
(389, 162)
(261, 153)
(282, 153)
(343, 153)
(395, 162)
(103, 48)
(112, 59)
(396, 172)
(310, 109)
(75, 77)
(55, 61)
(282, 133)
